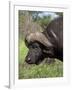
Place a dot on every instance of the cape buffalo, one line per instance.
(48, 43)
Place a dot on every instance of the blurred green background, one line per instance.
(32, 21)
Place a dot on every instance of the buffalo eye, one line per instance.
(34, 45)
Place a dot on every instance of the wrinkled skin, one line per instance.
(35, 54)
(37, 51)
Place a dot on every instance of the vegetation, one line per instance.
(43, 70)
(31, 22)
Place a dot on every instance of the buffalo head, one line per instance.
(37, 44)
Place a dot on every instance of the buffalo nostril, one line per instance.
(28, 59)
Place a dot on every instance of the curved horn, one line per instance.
(40, 37)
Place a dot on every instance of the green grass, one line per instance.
(22, 51)
(43, 70)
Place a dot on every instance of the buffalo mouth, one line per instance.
(30, 62)
(37, 62)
